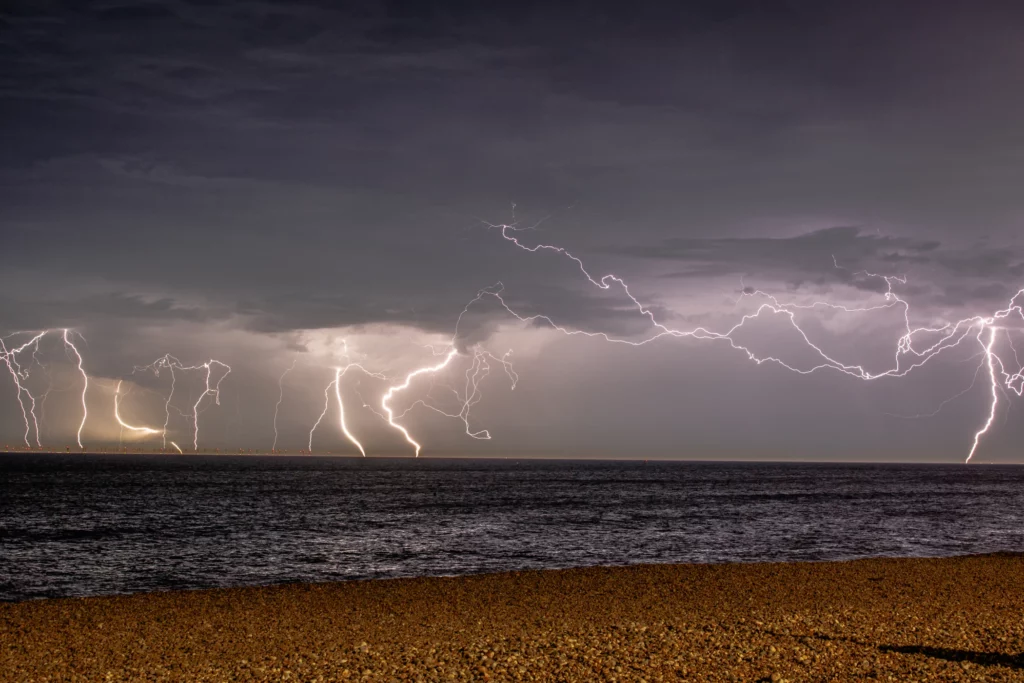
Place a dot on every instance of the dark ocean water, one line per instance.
(89, 525)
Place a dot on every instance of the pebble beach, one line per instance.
(950, 619)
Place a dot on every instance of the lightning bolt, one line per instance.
(85, 386)
(18, 375)
(914, 348)
(341, 411)
(327, 404)
(386, 401)
(46, 395)
(169, 362)
(172, 364)
(478, 369)
(340, 373)
(336, 385)
(990, 359)
(215, 391)
(280, 397)
(908, 356)
(177, 448)
(117, 415)
(947, 401)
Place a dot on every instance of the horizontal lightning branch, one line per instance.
(909, 353)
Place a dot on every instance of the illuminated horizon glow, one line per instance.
(950, 334)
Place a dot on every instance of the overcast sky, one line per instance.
(264, 182)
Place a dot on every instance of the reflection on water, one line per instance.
(77, 525)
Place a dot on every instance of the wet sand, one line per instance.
(903, 620)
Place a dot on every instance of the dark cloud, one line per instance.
(297, 311)
(984, 262)
(959, 295)
(575, 309)
(839, 254)
(261, 168)
(848, 244)
(843, 254)
(99, 309)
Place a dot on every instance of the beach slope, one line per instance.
(887, 619)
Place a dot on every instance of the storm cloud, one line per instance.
(257, 180)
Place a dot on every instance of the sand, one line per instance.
(902, 620)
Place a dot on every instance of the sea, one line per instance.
(83, 525)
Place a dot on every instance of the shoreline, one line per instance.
(953, 618)
(508, 572)
(531, 457)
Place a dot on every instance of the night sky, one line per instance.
(266, 182)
